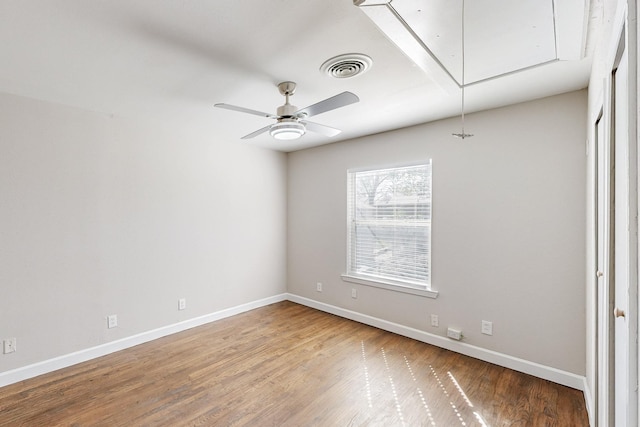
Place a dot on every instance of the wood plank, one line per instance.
(288, 365)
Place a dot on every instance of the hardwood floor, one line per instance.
(288, 365)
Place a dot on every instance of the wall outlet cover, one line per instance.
(112, 321)
(434, 320)
(9, 345)
(455, 334)
(487, 327)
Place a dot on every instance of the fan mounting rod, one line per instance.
(287, 89)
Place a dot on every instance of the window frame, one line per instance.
(408, 286)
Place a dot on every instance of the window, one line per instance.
(389, 228)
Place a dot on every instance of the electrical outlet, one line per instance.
(434, 320)
(9, 345)
(354, 293)
(455, 334)
(319, 287)
(112, 321)
(487, 327)
(182, 303)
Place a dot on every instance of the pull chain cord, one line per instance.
(462, 135)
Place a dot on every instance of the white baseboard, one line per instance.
(541, 371)
(30, 371)
(545, 372)
(589, 402)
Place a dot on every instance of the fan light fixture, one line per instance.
(287, 129)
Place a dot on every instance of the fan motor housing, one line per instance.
(286, 110)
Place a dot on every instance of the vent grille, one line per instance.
(346, 66)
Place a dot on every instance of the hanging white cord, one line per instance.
(462, 135)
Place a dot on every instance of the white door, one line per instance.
(623, 240)
(604, 397)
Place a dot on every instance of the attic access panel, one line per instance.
(501, 36)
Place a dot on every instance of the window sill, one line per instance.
(429, 293)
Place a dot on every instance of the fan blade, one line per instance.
(337, 101)
(256, 133)
(245, 110)
(321, 129)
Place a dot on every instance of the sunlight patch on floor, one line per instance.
(366, 376)
(446, 393)
(422, 399)
(442, 399)
(393, 387)
(460, 390)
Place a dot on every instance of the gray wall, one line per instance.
(100, 215)
(508, 239)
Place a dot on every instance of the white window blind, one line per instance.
(389, 225)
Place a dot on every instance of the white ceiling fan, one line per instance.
(292, 122)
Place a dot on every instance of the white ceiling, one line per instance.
(172, 60)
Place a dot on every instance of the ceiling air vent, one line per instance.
(346, 66)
